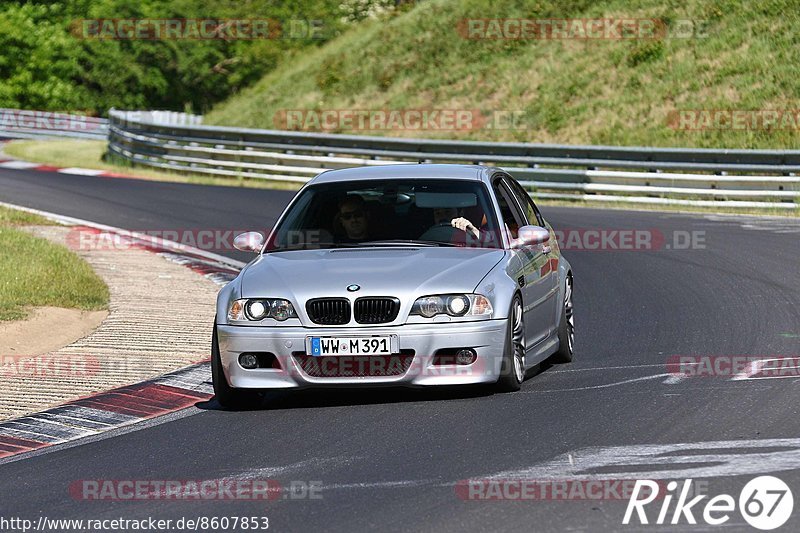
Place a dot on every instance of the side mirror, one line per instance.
(252, 241)
(530, 235)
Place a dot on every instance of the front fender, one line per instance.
(228, 293)
(499, 288)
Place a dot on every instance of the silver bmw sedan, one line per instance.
(399, 275)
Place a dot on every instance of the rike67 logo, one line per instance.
(765, 503)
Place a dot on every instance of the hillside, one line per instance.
(730, 56)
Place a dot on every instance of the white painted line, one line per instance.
(382, 484)
(666, 461)
(72, 221)
(604, 386)
(596, 368)
(58, 428)
(758, 365)
(28, 435)
(81, 171)
(307, 465)
(770, 377)
(19, 165)
(755, 368)
(74, 421)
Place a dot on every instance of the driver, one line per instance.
(353, 218)
(446, 218)
(449, 215)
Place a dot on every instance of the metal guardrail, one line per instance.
(735, 178)
(25, 124)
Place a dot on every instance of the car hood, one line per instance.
(400, 272)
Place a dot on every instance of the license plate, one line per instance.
(378, 345)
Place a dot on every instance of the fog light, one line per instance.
(248, 361)
(466, 356)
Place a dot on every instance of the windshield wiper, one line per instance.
(365, 244)
(314, 246)
(402, 242)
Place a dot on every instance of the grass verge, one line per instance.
(35, 272)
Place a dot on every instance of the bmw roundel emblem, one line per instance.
(353, 287)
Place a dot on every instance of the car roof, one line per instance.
(405, 171)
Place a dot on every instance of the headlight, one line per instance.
(428, 306)
(282, 309)
(453, 305)
(457, 305)
(258, 309)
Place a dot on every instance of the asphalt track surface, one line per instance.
(391, 460)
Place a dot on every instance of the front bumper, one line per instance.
(487, 338)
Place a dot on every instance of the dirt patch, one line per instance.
(47, 329)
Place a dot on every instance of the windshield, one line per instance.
(388, 213)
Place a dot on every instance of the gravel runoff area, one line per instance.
(160, 319)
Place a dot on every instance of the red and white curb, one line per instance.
(123, 406)
(18, 164)
(105, 411)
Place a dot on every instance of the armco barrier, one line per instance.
(24, 124)
(702, 177)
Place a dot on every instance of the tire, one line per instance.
(512, 368)
(226, 395)
(566, 328)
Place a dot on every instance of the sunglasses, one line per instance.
(349, 215)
